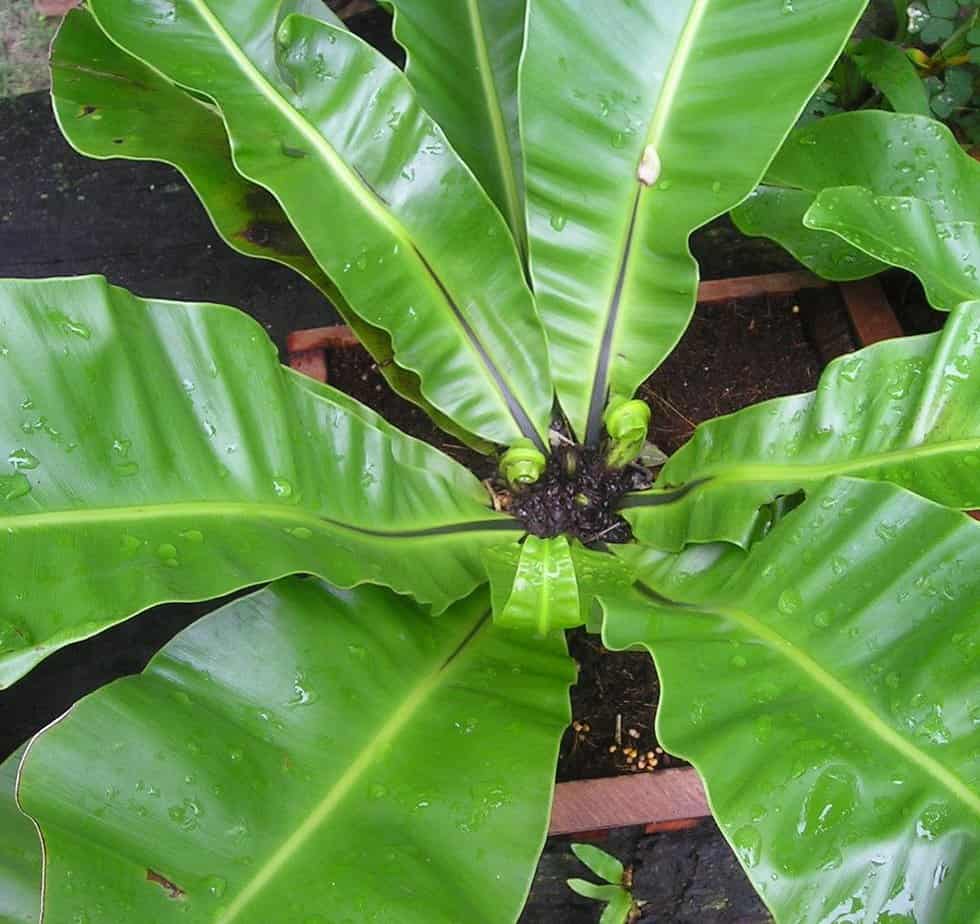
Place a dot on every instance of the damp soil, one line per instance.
(734, 354)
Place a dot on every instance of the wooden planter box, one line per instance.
(673, 798)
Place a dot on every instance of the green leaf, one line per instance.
(582, 575)
(823, 103)
(462, 60)
(887, 67)
(959, 84)
(544, 596)
(109, 104)
(162, 441)
(973, 36)
(619, 909)
(953, 93)
(388, 209)
(887, 153)
(945, 8)
(903, 231)
(667, 102)
(901, 19)
(308, 751)
(604, 865)
(597, 574)
(601, 893)
(826, 691)
(777, 212)
(936, 30)
(905, 411)
(20, 853)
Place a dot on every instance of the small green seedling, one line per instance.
(615, 891)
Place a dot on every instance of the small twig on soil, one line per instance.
(501, 502)
(604, 532)
(670, 407)
(619, 729)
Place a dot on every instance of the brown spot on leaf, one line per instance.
(87, 111)
(280, 238)
(173, 890)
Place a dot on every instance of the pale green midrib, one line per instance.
(658, 123)
(867, 716)
(337, 166)
(372, 752)
(544, 605)
(498, 129)
(714, 476)
(302, 125)
(196, 510)
(675, 72)
(824, 679)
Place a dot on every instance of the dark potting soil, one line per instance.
(679, 877)
(733, 354)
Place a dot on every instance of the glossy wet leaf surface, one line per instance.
(905, 411)
(157, 451)
(544, 594)
(891, 155)
(307, 754)
(388, 209)
(825, 686)
(20, 853)
(636, 134)
(905, 232)
(462, 59)
(547, 584)
(110, 104)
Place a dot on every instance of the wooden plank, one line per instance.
(310, 362)
(723, 290)
(334, 337)
(621, 801)
(871, 315)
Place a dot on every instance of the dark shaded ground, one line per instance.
(684, 877)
